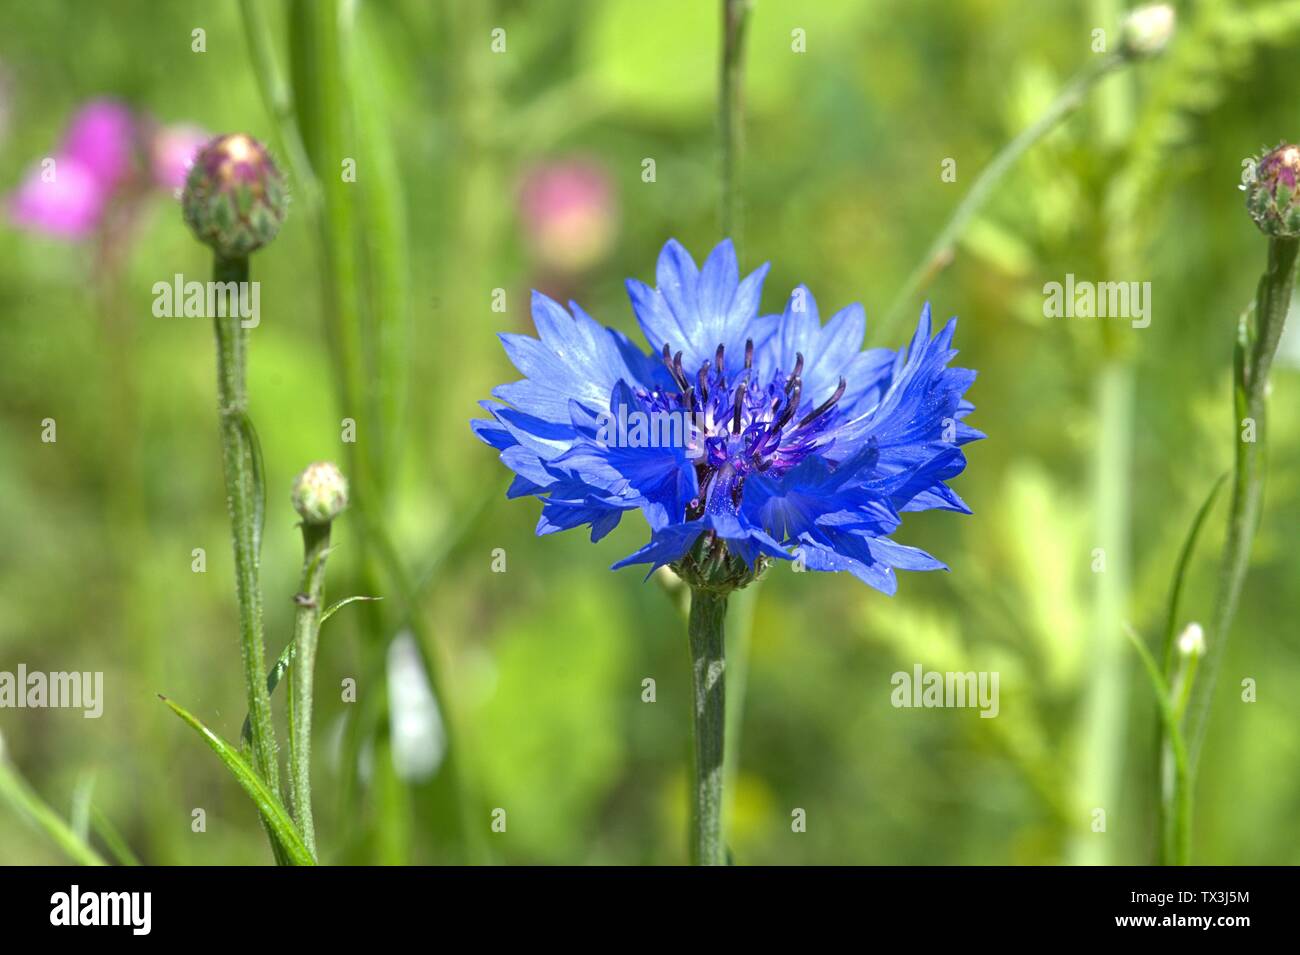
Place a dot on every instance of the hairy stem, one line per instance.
(243, 499)
(1256, 345)
(306, 631)
(708, 675)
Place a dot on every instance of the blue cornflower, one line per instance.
(797, 443)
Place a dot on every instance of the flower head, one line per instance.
(235, 197)
(741, 438)
(1272, 195)
(320, 493)
(1147, 30)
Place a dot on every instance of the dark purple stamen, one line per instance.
(717, 357)
(824, 407)
(794, 375)
(740, 401)
(674, 364)
(792, 403)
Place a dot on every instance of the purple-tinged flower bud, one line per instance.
(1146, 31)
(1271, 192)
(320, 493)
(235, 197)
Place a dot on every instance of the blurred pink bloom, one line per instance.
(171, 153)
(569, 213)
(61, 196)
(102, 136)
(68, 194)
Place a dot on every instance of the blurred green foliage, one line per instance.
(545, 662)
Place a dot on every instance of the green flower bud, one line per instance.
(320, 493)
(709, 565)
(1271, 193)
(235, 198)
(1147, 30)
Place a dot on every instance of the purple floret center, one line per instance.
(744, 428)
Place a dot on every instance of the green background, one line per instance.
(543, 664)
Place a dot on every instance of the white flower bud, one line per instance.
(1147, 30)
(1191, 642)
(320, 493)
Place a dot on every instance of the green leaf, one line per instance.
(1164, 698)
(272, 810)
(15, 791)
(112, 838)
(1180, 572)
(340, 604)
(283, 661)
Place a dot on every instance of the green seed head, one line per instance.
(1271, 193)
(235, 197)
(320, 493)
(1146, 31)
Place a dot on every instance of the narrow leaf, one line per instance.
(283, 661)
(272, 810)
(1158, 684)
(112, 838)
(340, 604)
(1180, 572)
(15, 791)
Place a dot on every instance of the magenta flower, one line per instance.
(102, 136)
(60, 197)
(68, 194)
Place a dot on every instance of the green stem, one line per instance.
(740, 629)
(1175, 773)
(1105, 702)
(735, 15)
(1176, 824)
(1174, 796)
(310, 598)
(1178, 835)
(1256, 346)
(15, 791)
(239, 460)
(937, 255)
(278, 99)
(708, 675)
